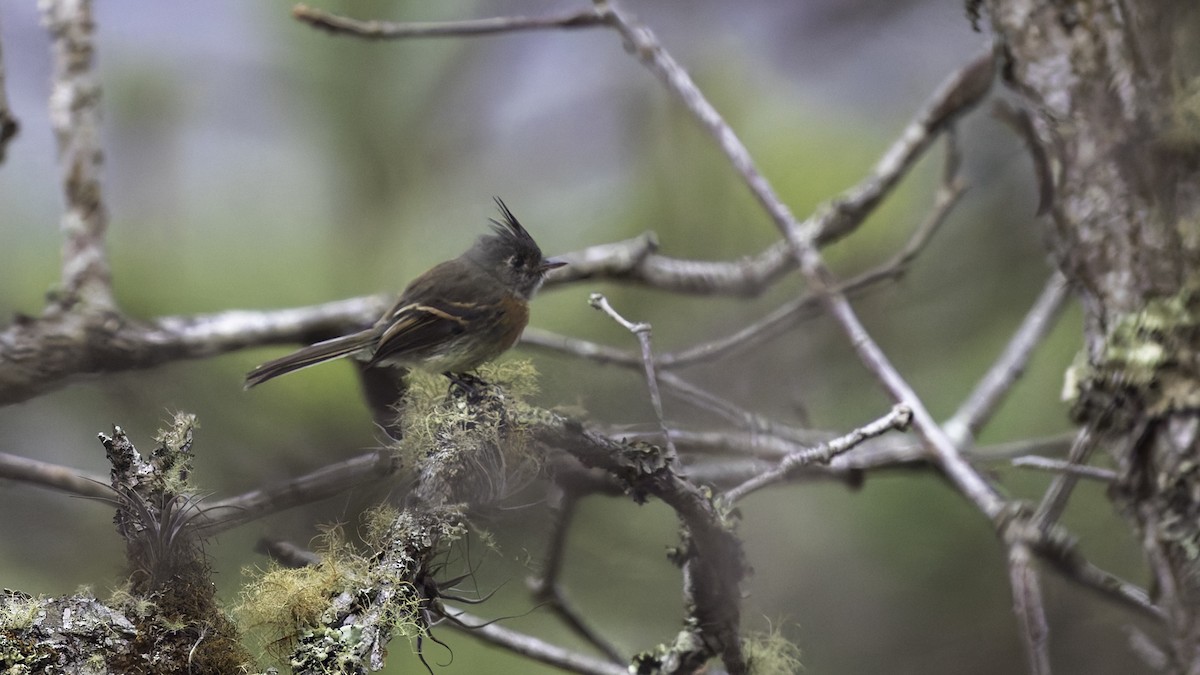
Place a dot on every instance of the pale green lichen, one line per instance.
(19, 611)
(172, 456)
(770, 653)
(477, 447)
(1150, 363)
(286, 607)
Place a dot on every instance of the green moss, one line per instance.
(281, 603)
(289, 607)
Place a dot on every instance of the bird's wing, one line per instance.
(420, 327)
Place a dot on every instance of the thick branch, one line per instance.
(41, 355)
(715, 560)
(54, 476)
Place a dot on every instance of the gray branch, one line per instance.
(8, 122)
(75, 118)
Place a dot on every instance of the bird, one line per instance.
(458, 315)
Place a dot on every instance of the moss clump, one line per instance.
(770, 653)
(18, 610)
(290, 608)
(470, 448)
(172, 456)
(282, 601)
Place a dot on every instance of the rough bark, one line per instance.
(1112, 90)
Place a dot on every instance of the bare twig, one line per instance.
(8, 122)
(1058, 444)
(75, 117)
(55, 476)
(1055, 499)
(322, 483)
(529, 646)
(962, 90)
(547, 588)
(983, 401)
(1029, 608)
(1052, 544)
(1147, 650)
(897, 419)
(1105, 584)
(642, 331)
(1058, 466)
(389, 30)
(637, 260)
(1021, 123)
(788, 314)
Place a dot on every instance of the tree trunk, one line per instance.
(1113, 91)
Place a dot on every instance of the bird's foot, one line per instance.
(467, 386)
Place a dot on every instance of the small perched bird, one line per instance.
(455, 317)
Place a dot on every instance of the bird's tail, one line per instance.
(310, 356)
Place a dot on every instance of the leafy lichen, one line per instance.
(1149, 365)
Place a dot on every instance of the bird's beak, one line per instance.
(551, 264)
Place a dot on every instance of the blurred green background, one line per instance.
(255, 163)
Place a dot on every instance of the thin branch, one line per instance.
(1107, 476)
(314, 486)
(75, 118)
(1061, 551)
(767, 445)
(897, 419)
(788, 314)
(640, 330)
(54, 476)
(965, 88)
(998, 381)
(960, 92)
(1055, 499)
(8, 122)
(547, 589)
(1111, 587)
(638, 260)
(1147, 650)
(388, 30)
(531, 647)
(1029, 608)
(1059, 444)
(713, 560)
(672, 383)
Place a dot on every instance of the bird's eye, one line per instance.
(516, 262)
